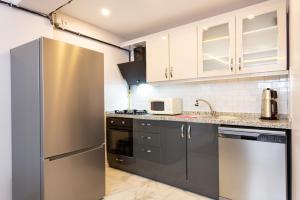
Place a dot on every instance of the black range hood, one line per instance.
(135, 72)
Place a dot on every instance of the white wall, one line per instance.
(17, 28)
(295, 93)
(242, 96)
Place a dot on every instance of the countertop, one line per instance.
(237, 119)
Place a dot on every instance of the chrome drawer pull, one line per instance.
(119, 160)
(149, 151)
(143, 124)
(148, 124)
(147, 138)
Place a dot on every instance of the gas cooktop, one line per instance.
(131, 112)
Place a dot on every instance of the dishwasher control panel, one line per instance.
(272, 138)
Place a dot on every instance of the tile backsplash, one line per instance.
(237, 95)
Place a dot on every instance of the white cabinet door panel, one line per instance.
(183, 53)
(216, 46)
(261, 38)
(157, 57)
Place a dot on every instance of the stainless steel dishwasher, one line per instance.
(252, 164)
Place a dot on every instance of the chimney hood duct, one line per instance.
(135, 72)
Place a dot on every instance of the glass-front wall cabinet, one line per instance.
(216, 47)
(261, 40)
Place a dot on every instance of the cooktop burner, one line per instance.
(131, 112)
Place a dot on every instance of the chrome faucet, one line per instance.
(212, 112)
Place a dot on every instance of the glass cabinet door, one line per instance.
(261, 40)
(216, 47)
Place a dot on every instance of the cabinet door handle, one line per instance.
(148, 138)
(147, 151)
(240, 63)
(143, 124)
(182, 131)
(189, 132)
(231, 64)
(123, 122)
(166, 73)
(171, 72)
(148, 124)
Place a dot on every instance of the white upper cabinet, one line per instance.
(246, 41)
(183, 53)
(262, 38)
(216, 46)
(157, 57)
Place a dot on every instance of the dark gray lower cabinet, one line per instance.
(181, 154)
(173, 154)
(202, 159)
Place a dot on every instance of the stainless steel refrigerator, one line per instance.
(57, 122)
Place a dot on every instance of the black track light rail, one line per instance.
(60, 7)
(91, 38)
(60, 28)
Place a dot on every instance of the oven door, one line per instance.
(120, 142)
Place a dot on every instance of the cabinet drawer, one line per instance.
(122, 162)
(146, 125)
(147, 152)
(148, 139)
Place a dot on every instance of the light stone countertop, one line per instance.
(237, 119)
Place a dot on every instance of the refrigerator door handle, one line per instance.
(81, 151)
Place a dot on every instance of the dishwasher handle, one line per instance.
(225, 133)
(250, 132)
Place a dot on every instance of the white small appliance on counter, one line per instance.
(165, 106)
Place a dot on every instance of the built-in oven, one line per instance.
(119, 140)
(119, 136)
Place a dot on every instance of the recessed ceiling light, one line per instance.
(105, 12)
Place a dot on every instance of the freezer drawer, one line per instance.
(75, 177)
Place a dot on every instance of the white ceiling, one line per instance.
(135, 18)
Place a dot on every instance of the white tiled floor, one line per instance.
(124, 186)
